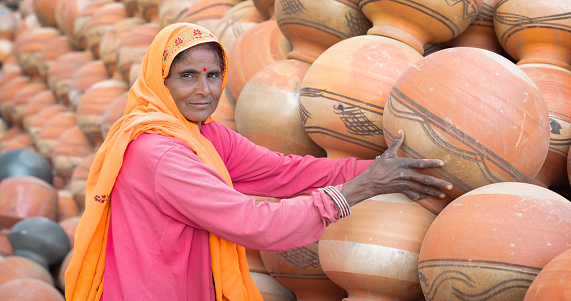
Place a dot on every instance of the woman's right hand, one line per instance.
(391, 174)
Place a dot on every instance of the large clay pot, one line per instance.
(69, 225)
(26, 196)
(235, 22)
(66, 208)
(207, 13)
(28, 48)
(5, 246)
(493, 241)
(9, 134)
(53, 50)
(67, 12)
(17, 267)
(83, 78)
(476, 111)
(225, 113)
(266, 8)
(81, 22)
(344, 92)
(63, 268)
(26, 289)
(46, 12)
(93, 104)
(311, 29)
(51, 130)
(554, 280)
(38, 121)
(299, 270)
(23, 162)
(373, 253)
(172, 11)
(6, 49)
(267, 112)
(555, 84)
(38, 102)
(535, 31)
(8, 22)
(111, 39)
(22, 98)
(8, 91)
(20, 141)
(113, 112)
(78, 181)
(149, 9)
(418, 23)
(70, 149)
(101, 22)
(135, 42)
(61, 73)
(9, 70)
(26, 24)
(248, 56)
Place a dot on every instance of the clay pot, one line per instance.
(535, 31)
(135, 69)
(66, 209)
(224, 113)
(51, 131)
(555, 84)
(21, 99)
(344, 92)
(63, 268)
(9, 70)
(248, 56)
(449, 104)
(29, 46)
(18, 267)
(101, 22)
(24, 162)
(132, 44)
(172, 11)
(93, 104)
(265, 7)
(554, 280)
(9, 89)
(149, 9)
(78, 181)
(61, 73)
(70, 149)
(5, 246)
(6, 49)
(235, 22)
(25, 196)
(493, 241)
(87, 75)
(311, 29)
(9, 133)
(66, 13)
(46, 12)
(38, 121)
(132, 8)
(111, 39)
(373, 253)
(113, 112)
(267, 112)
(26, 289)
(26, 7)
(20, 141)
(8, 22)
(38, 102)
(270, 289)
(69, 225)
(27, 24)
(51, 52)
(207, 13)
(80, 24)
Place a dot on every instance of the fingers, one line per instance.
(391, 152)
(421, 163)
(427, 180)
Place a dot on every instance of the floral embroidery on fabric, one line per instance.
(102, 198)
(184, 40)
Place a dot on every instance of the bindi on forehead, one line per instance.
(204, 69)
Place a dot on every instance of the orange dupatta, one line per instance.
(151, 109)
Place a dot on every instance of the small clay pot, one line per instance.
(29, 290)
(109, 44)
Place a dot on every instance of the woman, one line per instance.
(180, 218)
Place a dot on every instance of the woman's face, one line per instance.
(195, 83)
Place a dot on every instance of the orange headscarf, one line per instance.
(151, 109)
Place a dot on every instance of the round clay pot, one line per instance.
(311, 29)
(66, 208)
(555, 84)
(46, 12)
(6, 49)
(17, 267)
(172, 11)
(66, 13)
(135, 69)
(266, 8)
(9, 133)
(416, 23)
(535, 31)
(235, 22)
(87, 75)
(344, 92)
(267, 112)
(21, 99)
(135, 42)
(63, 268)
(111, 39)
(26, 8)
(53, 50)
(373, 253)
(476, 111)
(23, 197)
(554, 280)
(29, 46)
(225, 113)
(493, 241)
(8, 22)
(78, 181)
(81, 22)
(5, 246)
(10, 69)
(51, 131)
(149, 9)
(248, 56)
(9, 89)
(132, 8)
(41, 117)
(39, 101)
(114, 111)
(70, 149)
(93, 104)
(26, 24)
(69, 225)
(26, 289)
(101, 22)
(40, 239)
(207, 13)
(20, 141)
(24, 162)
(61, 73)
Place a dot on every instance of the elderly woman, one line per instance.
(167, 213)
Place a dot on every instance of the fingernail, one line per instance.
(399, 133)
(442, 195)
(441, 163)
(449, 187)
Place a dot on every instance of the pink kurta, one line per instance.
(166, 200)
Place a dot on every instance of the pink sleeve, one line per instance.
(190, 191)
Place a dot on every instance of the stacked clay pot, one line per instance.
(52, 50)
(61, 73)
(83, 78)
(172, 11)
(554, 280)
(70, 149)
(134, 43)
(235, 22)
(207, 13)
(38, 102)
(113, 112)
(110, 41)
(28, 48)
(101, 22)
(26, 196)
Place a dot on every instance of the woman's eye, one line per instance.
(213, 75)
(186, 75)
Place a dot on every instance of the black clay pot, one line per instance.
(25, 162)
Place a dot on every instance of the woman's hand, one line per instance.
(391, 174)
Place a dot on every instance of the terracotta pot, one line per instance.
(449, 104)
(555, 84)
(78, 181)
(8, 22)
(17, 267)
(9, 89)
(132, 8)
(66, 13)
(26, 289)
(26, 24)
(93, 104)
(61, 73)
(267, 112)
(51, 131)
(535, 31)
(373, 253)
(24, 196)
(26, 8)
(111, 39)
(38, 102)
(299, 270)
(83, 78)
(70, 149)
(51, 52)
(265, 7)
(46, 12)
(6, 49)
(9, 70)
(135, 69)
(63, 268)
(493, 241)
(24, 162)
(207, 13)
(20, 141)
(149, 9)
(9, 133)
(29, 46)
(80, 24)
(235, 22)
(69, 225)
(20, 100)
(132, 44)
(311, 29)
(172, 11)
(101, 22)
(554, 280)
(248, 56)
(38, 121)
(113, 112)
(224, 113)
(344, 92)
(66, 209)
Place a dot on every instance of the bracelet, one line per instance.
(339, 200)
